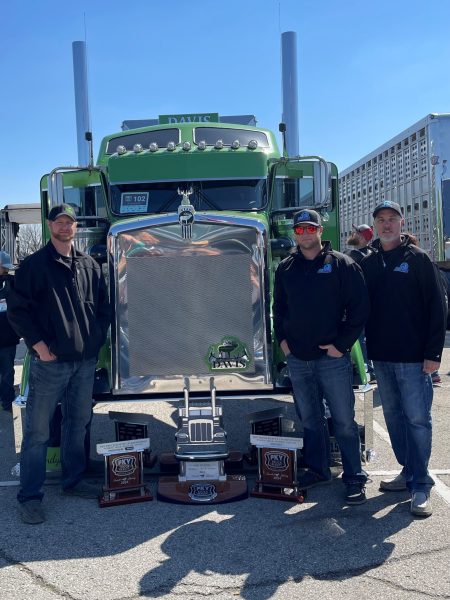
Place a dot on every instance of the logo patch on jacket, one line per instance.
(325, 269)
(402, 268)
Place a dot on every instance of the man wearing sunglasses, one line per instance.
(320, 307)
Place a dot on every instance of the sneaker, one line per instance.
(356, 493)
(397, 484)
(83, 489)
(31, 512)
(421, 504)
(309, 479)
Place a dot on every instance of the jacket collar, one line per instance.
(76, 254)
(326, 249)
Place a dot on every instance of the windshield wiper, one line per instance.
(201, 194)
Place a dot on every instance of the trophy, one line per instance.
(277, 468)
(268, 422)
(124, 472)
(133, 426)
(201, 451)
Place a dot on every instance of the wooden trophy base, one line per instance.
(288, 494)
(116, 497)
(170, 489)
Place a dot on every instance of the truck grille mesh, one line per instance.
(179, 306)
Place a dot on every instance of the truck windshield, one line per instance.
(162, 196)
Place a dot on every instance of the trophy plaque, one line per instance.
(201, 452)
(277, 468)
(133, 426)
(273, 421)
(124, 470)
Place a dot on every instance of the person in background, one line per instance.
(405, 337)
(8, 337)
(59, 305)
(435, 376)
(360, 240)
(320, 307)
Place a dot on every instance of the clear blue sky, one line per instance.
(367, 70)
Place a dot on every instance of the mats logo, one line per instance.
(202, 492)
(276, 461)
(123, 465)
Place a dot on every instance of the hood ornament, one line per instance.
(186, 213)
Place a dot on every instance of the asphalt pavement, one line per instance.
(252, 549)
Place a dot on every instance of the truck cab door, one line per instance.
(85, 191)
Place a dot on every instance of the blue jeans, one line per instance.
(406, 394)
(7, 356)
(50, 383)
(332, 379)
(367, 362)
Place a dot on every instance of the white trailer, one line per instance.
(11, 217)
(411, 169)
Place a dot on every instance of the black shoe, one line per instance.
(356, 493)
(309, 479)
(83, 489)
(31, 512)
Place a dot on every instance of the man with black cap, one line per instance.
(59, 305)
(320, 307)
(405, 337)
(8, 337)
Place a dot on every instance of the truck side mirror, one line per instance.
(55, 188)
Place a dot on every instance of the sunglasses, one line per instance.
(300, 229)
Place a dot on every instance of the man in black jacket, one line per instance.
(359, 241)
(59, 306)
(8, 337)
(405, 337)
(320, 307)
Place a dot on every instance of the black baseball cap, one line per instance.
(387, 204)
(307, 217)
(62, 209)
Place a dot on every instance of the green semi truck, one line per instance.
(190, 219)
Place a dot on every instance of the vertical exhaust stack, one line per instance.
(290, 90)
(81, 104)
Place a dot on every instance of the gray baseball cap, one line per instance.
(5, 261)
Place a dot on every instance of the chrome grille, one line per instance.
(177, 300)
(200, 430)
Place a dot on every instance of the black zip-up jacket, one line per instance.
(407, 319)
(65, 307)
(320, 301)
(8, 337)
(358, 254)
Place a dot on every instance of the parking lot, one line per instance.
(252, 549)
